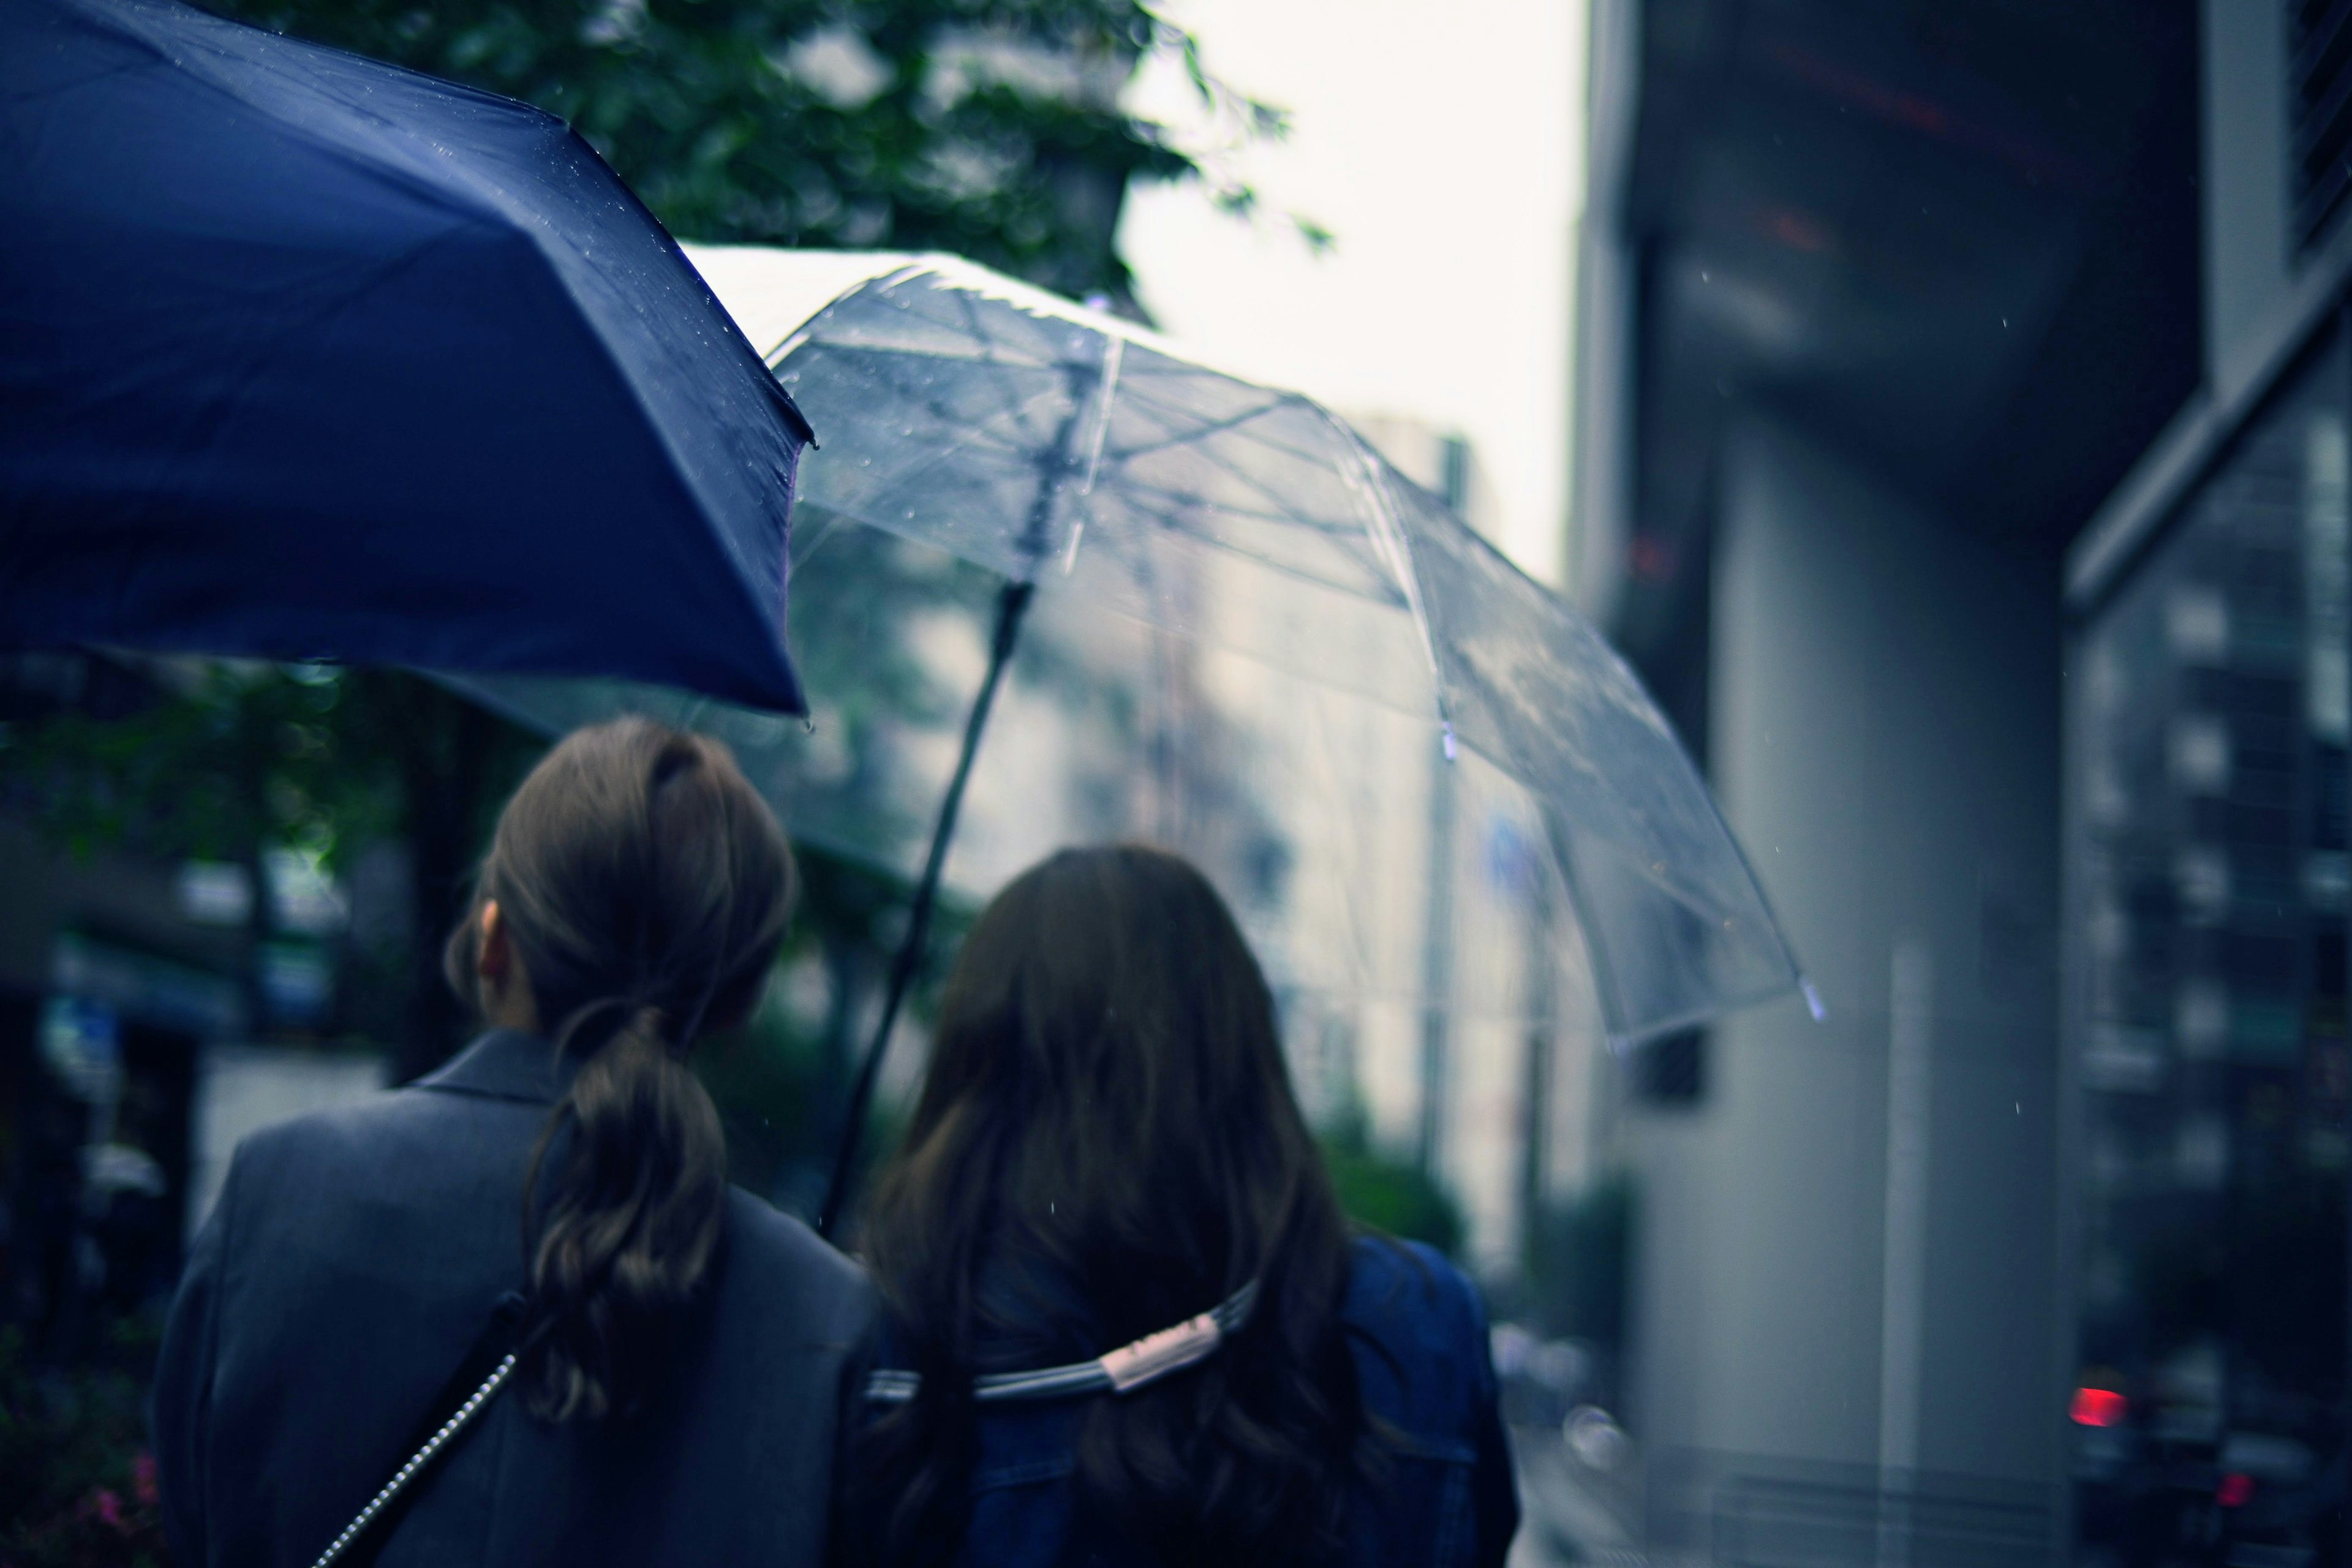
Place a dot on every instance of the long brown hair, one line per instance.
(645, 885)
(1106, 1143)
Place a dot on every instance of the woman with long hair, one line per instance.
(556, 1195)
(1124, 1319)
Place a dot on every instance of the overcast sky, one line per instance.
(1442, 146)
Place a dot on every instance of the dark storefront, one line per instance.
(2208, 722)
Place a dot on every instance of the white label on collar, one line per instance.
(1154, 1355)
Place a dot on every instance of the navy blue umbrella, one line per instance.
(305, 356)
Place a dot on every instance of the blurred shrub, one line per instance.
(76, 1481)
(1394, 1196)
(1578, 1262)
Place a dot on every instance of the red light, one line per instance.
(2099, 1408)
(2236, 1491)
(1799, 231)
(1652, 558)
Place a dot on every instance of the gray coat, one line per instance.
(352, 1262)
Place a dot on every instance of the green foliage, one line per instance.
(858, 596)
(233, 759)
(236, 756)
(240, 756)
(988, 128)
(1579, 1262)
(764, 1080)
(1392, 1197)
(77, 1483)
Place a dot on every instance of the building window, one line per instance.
(2207, 731)
(2320, 114)
(1670, 1070)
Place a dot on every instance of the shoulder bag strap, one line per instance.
(469, 1389)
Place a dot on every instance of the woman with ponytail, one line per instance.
(1125, 1322)
(534, 1249)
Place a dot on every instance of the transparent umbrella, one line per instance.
(1205, 613)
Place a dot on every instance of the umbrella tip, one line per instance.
(1812, 999)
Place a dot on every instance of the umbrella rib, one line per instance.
(1112, 543)
(1232, 540)
(973, 438)
(1008, 402)
(981, 352)
(1148, 493)
(1215, 427)
(1242, 549)
(1113, 453)
(1280, 514)
(1284, 401)
(983, 355)
(1265, 508)
(965, 302)
(967, 433)
(1207, 454)
(1210, 455)
(1233, 428)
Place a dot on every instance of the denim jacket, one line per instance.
(1443, 1496)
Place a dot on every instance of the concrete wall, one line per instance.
(2248, 270)
(1602, 405)
(1884, 740)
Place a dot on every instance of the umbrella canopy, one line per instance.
(304, 356)
(1209, 616)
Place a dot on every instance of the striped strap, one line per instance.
(1122, 1370)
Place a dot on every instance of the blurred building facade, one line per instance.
(153, 1010)
(1962, 457)
(1489, 1084)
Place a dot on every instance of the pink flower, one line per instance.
(142, 1480)
(107, 1509)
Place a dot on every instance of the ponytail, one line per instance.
(628, 1223)
(647, 887)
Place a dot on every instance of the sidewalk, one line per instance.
(1568, 1514)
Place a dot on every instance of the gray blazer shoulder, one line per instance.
(354, 1256)
(782, 1259)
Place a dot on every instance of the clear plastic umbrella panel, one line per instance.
(1049, 568)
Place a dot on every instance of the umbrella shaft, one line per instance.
(1012, 603)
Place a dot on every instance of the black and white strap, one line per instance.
(461, 1400)
(441, 1439)
(1122, 1370)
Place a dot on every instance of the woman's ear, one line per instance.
(508, 999)
(494, 955)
